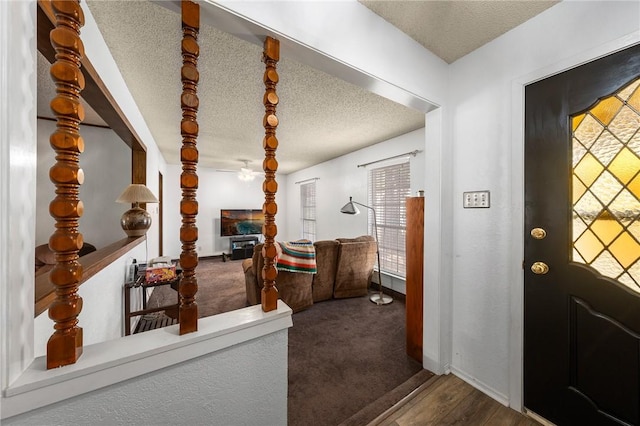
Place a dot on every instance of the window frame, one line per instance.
(308, 203)
(388, 186)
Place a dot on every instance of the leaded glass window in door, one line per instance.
(606, 186)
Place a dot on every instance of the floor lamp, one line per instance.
(350, 208)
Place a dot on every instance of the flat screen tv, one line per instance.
(234, 222)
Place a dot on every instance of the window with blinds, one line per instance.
(308, 210)
(388, 189)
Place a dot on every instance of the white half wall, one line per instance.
(243, 385)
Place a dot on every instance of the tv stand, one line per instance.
(242, 247)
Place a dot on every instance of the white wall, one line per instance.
(340, 178)
(242, 385)
(216, 191)
(106, 158)
(487, 151)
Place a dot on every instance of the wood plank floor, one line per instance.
(448, 400)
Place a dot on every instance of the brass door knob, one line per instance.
(538, 233)
(539, 268)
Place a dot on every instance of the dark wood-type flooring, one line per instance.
(448, 400)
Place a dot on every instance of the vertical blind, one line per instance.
(389, 187)
(308, 210)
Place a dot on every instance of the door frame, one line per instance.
(516, 296)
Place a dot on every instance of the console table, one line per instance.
(141, 282)
(242, 247)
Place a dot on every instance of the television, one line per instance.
(235, 222)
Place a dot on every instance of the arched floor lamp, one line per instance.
(350, 208)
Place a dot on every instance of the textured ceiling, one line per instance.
(321, 117)
(451, 29)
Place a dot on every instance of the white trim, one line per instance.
(516, 331)
(437, 302)
(4, 186)
(482, 387)
(111, 362)
(18, 183)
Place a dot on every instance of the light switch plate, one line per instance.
(476, 200)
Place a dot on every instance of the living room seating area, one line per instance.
(344, 269)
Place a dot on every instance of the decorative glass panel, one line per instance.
(605, 228)
(578, 151)
(634, 100)
(606, 147)
(588, 131)
(625, 124)
(606, 186)
(606, 109)
(625, 166)
(588, 169)
(588, 246)
(634, 144)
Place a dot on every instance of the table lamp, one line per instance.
(136, 221)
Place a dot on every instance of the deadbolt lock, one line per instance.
(538, 233)
(539, 268)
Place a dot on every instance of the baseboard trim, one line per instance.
(482, 387)
(434, 366)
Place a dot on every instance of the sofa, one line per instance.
(344, 269)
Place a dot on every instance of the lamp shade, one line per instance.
(136, 193)
(350, 208)
(136, 221)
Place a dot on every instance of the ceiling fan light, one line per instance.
(246, 175)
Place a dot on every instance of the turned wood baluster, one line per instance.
(270, 56)
(65, 344)
(188, 317)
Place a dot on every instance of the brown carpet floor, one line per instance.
(347, 360)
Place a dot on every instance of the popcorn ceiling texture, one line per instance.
(451, 29)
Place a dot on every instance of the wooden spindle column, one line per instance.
(65, 344)
(188, 316)
(270, 56)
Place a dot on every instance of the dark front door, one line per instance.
(582, 244)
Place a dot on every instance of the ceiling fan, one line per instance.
(244, 174)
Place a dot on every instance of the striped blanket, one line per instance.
(296, 256)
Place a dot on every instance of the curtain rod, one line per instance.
(306, 180)
(413, 153)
